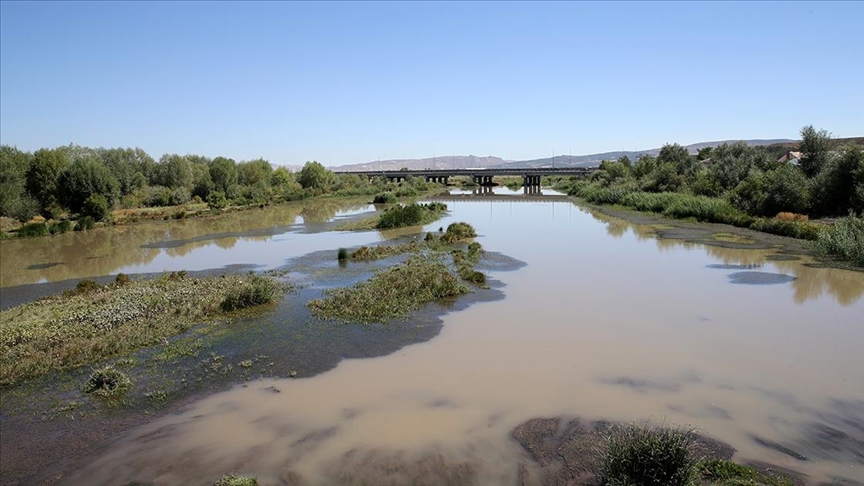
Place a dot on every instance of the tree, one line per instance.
(254, 172)
(281, 177)
(15, 202)
(223, 173)
(83, 178)
(42, 175)
(174, 171)
(313, 175)
(836, 187)
(704, 153)
(814, 150)
(678, 156)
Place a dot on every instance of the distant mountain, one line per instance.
(443, 162)
(593, 160)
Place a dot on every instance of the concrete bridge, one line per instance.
(530, 176)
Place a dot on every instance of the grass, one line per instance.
(95, 322)
(648, 455)
(457, 232)
(411, 215)
(236, 480)
(368, 253)
(844, 239)
(257, 290)
(33, 229)
(726, 473)
(108, 382)
(390, 293)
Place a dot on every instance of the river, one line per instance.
(606, 320)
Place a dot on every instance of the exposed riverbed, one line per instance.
(720, 329)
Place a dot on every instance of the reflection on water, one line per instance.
(194, 244)
(623, 328)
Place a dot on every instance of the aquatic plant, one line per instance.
(458, 232)
(411, 215)
(85, 223)
(721, 472)
(107, 382)
(647, 455)
(844, 239)
(390, 293)
(86, 326)
(384, 198)
(236, 480)
(257, 290)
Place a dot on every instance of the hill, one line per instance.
(444, 162)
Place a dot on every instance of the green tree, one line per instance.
(313, 175)
(281, 177)
(15, 202)
(127, 166)
(679, 157)
(786, 189)
(704, 153)
(223, 173)
(43, 173)
(83, 178)
(174, 171)
(254, 172)
(645, 166)
(836, 187)
(815, 146)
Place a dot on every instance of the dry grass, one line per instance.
(794, 217)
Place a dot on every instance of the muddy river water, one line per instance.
(605, 321)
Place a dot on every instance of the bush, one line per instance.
(410, 215)
(96, 206)
(794, 229)
(342, 254)
(384, 198)
(216, 200)
(236, 480)
(121, 279)
(84, 223)
(647, 456)
(258, 291)
(844, 239)
(33, 229)
(60, 227)
(107, 382)
(457, 232)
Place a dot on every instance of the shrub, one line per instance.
(121, 279)
(794, 229)
(844, 239)
(84, 223)
(384, 198)
(216, 200)
(84, 287)
(259, 290)
(410, 215)
(236, 480)
(33, 229)
(647, 456)
(803, 218)
(342, 254)
(457, 232)
(60, 227)
(96, 206)
(107, 382)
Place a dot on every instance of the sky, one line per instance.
(349, 82)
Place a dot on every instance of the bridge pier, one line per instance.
(483, 180)
(442, 179)
(531, 180)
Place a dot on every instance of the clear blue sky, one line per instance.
(345, 82)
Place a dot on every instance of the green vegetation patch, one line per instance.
(411, 215)
(236, 480)
(844, 239)
(726, 473)
(648, 455)
(457, 232)
(95, 322)
(107, 382)
(257, 290)
(390, 293)
(367, 253)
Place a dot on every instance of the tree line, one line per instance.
(827, 180)
(72, 181)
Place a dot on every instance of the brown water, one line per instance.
(605, 322)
